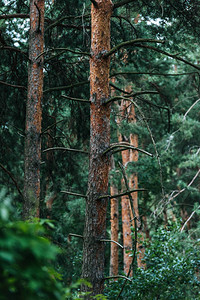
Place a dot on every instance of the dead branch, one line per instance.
(13, 179)
(124, 146)
(130, 43)
(175, 56)
(76, 99)
(74, 194)
(65, 149)
(111, 241)
(13, 85)
(62, 88)
(117, 276)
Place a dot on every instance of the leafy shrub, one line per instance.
(25, 259)
(172, 270)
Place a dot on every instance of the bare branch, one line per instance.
(131, 95)
(74, 194)
(64, 50)
(111, 241)
(65, 149)
(13, 179)
(190, 217)
(76, 99)
(15, 49)
(175, 56)
(152, 74)
(129, 43)
(13, 85)
(191, 182)
(190, 108)
(125, 146)
(62, 88)
(75, 235)
(50, 126)
(117, 276)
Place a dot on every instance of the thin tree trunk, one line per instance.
(32, 155)
(95, 221)
(114, 232)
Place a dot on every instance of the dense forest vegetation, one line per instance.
(100, 154)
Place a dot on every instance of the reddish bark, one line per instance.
(33, 111)
(114, 232)
(95, 221)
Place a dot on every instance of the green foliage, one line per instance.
(172, 265)
(26, 257)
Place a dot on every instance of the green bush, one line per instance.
(171, 273)
(25, 259)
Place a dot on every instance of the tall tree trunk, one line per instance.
(95, 220)
(114, 232)
(32, 155)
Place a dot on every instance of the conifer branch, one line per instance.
(130, 43)
(175, 56)
(111, 241)
(65, 149)
(76, 99)
(67, 87)
(74, 194)
(13, 85)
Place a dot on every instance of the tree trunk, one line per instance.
(32, 155)
(95, 221)
(114, 232)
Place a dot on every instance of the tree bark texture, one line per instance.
(32, 155)
(95, 220)
(114, 219)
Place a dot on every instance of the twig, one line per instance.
(76, 99)
(74, 194)
(117, 276)
(190, 217)
(191, 182)
(111, 241)
(190, 108)
(65, 149)
(13, 179)
(116, 98)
